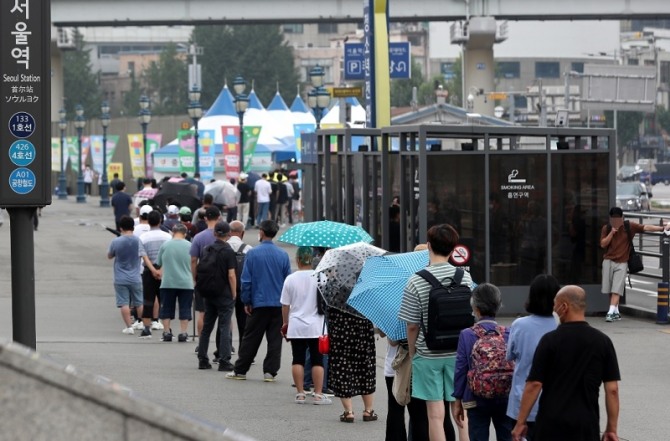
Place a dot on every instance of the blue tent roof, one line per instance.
(223, 104)
(254, 102)
(299, 105)
(277, 103)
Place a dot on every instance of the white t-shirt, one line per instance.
(391, 351)
(140, 229)
(263, 190)
(299, 293)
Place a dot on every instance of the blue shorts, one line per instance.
(125, 294)
(169, 297)
(433, 378)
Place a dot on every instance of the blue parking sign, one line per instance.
(400, 64)
(354, 57)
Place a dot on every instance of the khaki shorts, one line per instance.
(614, 277)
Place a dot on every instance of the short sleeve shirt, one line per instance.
(175, 261)
(619, 248)
(127, 251)
(200, 241)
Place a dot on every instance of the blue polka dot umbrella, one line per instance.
(326, 234)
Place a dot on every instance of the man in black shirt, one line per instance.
(569, 365)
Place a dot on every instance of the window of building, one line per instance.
(296, 28)
(508, 69)
(577, 67)
(547, 69)
(520, 101)
(665, 72)
(131, 66)
(327, 28)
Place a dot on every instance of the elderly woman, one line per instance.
(525, 334)
(486, 301)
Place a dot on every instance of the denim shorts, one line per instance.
(433, 378)
(170, 296)
(127, 294)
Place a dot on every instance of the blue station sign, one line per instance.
(400, 61)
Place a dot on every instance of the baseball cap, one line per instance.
(243, 176)
(212, 213)
(221, 228)
(184, 210)
(145, 209)
(173, 209)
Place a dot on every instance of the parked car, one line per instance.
(629, 173)
(633, 196)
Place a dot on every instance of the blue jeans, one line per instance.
(480, 418)
(263, 208)
(308, 372)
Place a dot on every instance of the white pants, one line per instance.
(243, 212)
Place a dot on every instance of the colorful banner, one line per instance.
(206, 154)
(186, 152)
(136, 155)
(72, 145)
(96, 150)
(55, 154)
(231, 152)
(153, 144)
(251, 135)
(298, 130)
(114, 167)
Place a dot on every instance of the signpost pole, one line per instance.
(23, 275)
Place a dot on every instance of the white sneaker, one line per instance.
(138, 326)
(157, 326)
(129, 330)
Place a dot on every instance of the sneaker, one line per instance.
(157, 326)
(616, 316)
(321, 399)
(204, 364)
(268, 377)
(129, 330)
(167, 336)
(138, 325)
(183, 337)
(234, 376)
(609, 318)
(226, 367)
(328, 392)
(146, 333)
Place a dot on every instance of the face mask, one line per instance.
(557, 319)
(259, 238)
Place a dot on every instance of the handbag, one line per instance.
(635, 264)
(324, 341)
(402, 381)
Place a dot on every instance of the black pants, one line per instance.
(263, 321)
(395, 417)
(151, 289)
(220, 308)
(241, 319)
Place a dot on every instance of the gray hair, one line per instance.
(487, 298)
(180, 228)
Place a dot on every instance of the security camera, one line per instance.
(561, 118)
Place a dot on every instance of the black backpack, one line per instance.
(209, 278)
(449, 311)
(240, 255)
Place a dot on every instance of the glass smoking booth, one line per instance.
(525, 201)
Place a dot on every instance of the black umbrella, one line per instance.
(182, 194)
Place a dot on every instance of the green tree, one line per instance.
(81, 85)
(131, 99)
(628, 128)
(455, 85)
(167, 83)
(256, 52)
(401, 90)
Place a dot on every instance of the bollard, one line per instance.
(662, 304)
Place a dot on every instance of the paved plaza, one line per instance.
(78, 324)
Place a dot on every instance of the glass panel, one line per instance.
(579, 210)
(578, 66)
(517, 210)
(456, 196)
(547, 69)
(508, 69)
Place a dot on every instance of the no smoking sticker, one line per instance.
(461, 255)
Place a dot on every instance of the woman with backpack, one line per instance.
(483, 375)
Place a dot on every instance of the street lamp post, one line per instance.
(195, 112)
(79, 124)
(318, 98)
(104, 184)
(241, 106)
(62, 182)
(144, 119)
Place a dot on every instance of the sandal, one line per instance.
(371, 415)
(322, 399)
(300, 398)
(347, 417)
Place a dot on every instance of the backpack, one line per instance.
(449, 311)
(209, 278)
(240, 255)
(491, 373)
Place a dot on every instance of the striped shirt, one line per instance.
(414, 306)
(152, 241)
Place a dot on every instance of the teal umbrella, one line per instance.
(325, 234)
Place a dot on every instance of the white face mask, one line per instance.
(556, 317)
(259, 238)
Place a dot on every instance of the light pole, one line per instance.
(195, 112)
(318, 98)
(241, 106)
(104, 185)
(62, 182)
(79, 124)
(144, 119)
